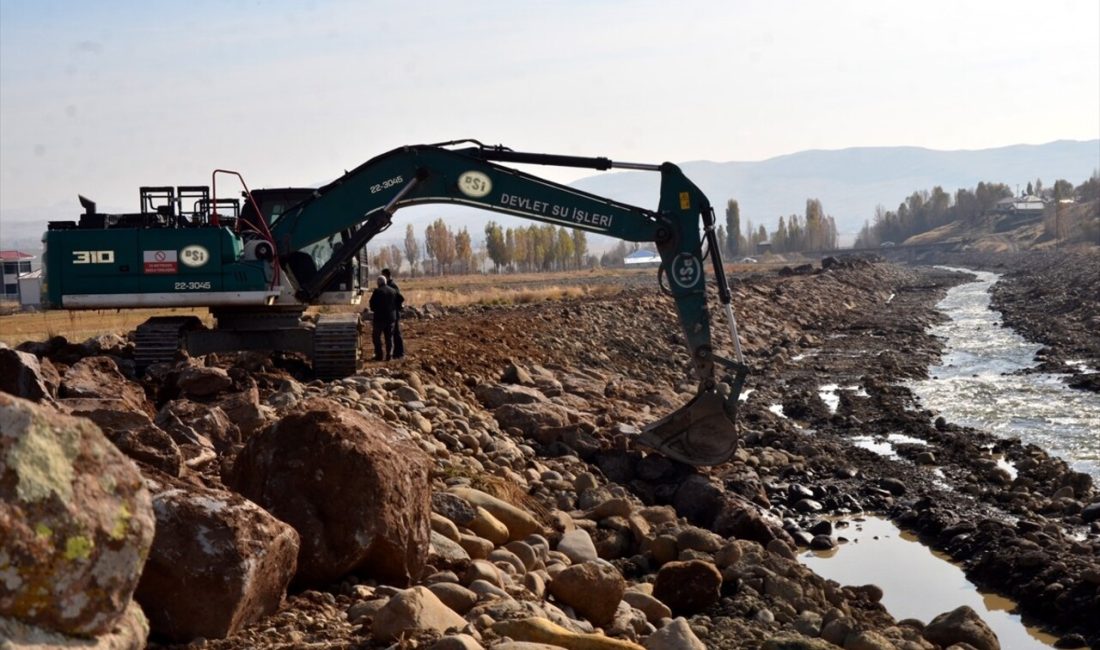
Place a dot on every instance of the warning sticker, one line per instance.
(160, 262)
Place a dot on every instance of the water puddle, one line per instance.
(975, 384)
(917, 582)
(885, 447)
(880, 447)
(828, 394)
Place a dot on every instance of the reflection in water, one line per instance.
(916, 582)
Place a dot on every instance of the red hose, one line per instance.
(266, 233)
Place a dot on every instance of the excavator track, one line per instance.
(157, 340)
(336, 346)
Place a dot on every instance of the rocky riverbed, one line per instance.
(487, 491)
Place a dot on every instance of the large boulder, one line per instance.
(130, 632)
(540, 630)
(593, 589)
(75, 518)
(110, 415)
(100, 377)
(192, 423)
(245, 410)
(200, 381)
(218, 562)
(412, 611)
(743, 519)
(133, 432)
(495, 395)
(518, 521)
(688, 587)
(21, 375)
(961, 625)
(357, 492)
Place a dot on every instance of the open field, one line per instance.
(80, 325)
(447, 290)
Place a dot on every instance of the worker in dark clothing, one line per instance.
(398, 340)
(383, 307)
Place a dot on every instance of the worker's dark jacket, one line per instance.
(383, 305)
(400, 298)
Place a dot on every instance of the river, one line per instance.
(978, 382)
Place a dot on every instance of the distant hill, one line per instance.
(849, 183)
(1073, 225)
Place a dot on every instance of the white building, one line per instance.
(641, 257)
(30, 289)
(15, 263)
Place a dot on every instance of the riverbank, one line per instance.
(539, 405)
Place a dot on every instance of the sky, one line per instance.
(100, 98)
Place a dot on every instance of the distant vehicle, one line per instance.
(747, 260)
(886, 244)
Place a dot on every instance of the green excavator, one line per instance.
(257, 262)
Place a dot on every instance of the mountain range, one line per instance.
(849, 182)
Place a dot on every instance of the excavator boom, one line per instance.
(703, 432)
(260, 269)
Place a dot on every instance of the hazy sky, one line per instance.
(101, 97)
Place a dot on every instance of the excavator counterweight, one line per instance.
(259, 262)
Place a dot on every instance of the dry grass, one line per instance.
(80, 325)
(505, 295)
(450, 291)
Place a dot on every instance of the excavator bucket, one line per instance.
(702, 432)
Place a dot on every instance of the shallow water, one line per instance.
(973, 386)
(916, 582)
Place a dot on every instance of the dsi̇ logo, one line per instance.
(687, 270)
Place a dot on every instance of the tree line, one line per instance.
(444, 251)
(926, 210)
(815, 230)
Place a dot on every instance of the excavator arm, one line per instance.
(363, 201)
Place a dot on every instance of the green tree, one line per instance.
(495, 245)
(580, 247)
(440, 244)
(615, 256)
(779, 239)
(564, 248)
(509, 247)
(412, 248)
(1062, 189)
(464, 250)
(733, 228)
